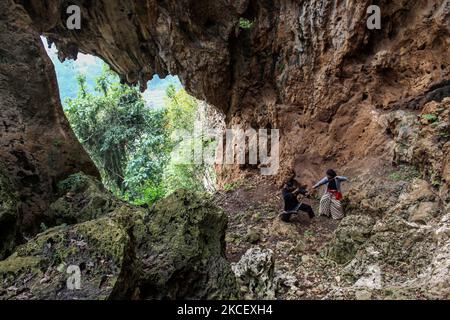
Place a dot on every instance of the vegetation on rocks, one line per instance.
(174, 250)
(83, 198)
(353, 231)
(38, 269)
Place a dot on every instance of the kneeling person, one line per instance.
(291, 204)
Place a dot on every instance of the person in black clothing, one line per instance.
(291, 204)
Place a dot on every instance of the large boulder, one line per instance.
(8, 215)
(401, 251)
(400, 260)
(353, 231)
(173, 251)
(101, 251)
(182, 250)
(255, 273)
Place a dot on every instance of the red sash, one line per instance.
(337, 194)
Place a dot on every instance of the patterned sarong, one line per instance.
(331, 207)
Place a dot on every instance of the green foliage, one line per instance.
(182, 110)
(74, 183)
(431, 118)
(245, 23)
(126, 139)
(68, 72)
(434, 177)
(309, 234)
(232, 186)
(132, 144)
(444, 134)
(404, 173)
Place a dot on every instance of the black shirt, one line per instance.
(290, 199)
(332, 184)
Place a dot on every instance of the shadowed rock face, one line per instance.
(8, 215)
(83, 198)
(37, 145)
(141, 38)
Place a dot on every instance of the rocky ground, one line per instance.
(368, 255)
(253, 211)
(394, 243)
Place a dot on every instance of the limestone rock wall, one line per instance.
(309, 68)
(38, 147)
(9, 215)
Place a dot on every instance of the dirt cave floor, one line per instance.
(253, 211)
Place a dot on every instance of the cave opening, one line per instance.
(141, 143)
(371, 104)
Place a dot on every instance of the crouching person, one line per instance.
(330, 204)
(291, 204)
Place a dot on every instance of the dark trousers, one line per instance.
(301, 207)
(308, 209)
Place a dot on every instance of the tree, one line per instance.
(126, 139)
(184, 113)
(132, 144)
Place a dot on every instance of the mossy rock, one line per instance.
(174, 251)
(83, 198)
(101, 250)
(8, 215)
(180, 248)
(352, 232)
(253, 236)
(184, 242)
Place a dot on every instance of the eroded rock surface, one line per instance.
(173, 251)
(255, 273)
(101, 249)
(353, 231)
(403, 253)
(9, 215)
(38, 147)
(83, 198)
(182, 250)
